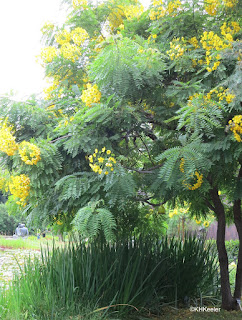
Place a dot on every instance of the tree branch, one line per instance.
(60, 138)
(144, 171)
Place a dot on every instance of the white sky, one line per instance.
(20, 24)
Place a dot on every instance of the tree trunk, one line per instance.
(228, 302)
(238, 224)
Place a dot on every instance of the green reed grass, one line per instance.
(100, 279)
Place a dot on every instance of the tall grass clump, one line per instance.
(117, 278)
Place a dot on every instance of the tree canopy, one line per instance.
(143, 108)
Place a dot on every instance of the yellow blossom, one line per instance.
(29, 153)
(19, 186)
(206, 224)
(70, 51)
(7, 140)
(235, 126)
(176, 49)
(230, 3)
(195, 185)
(79, 3)
(91, 95)
(47, 54)
(211, 6)
(79, 35)
(182, 164)
(102, 163)
(63, 37)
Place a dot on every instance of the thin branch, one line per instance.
(210, 206)
(146, 200)
(60, 138)
(144, 171)
(146, 149)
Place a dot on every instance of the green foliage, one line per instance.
(199, 120)
(232, 247)
(193, 157)
(120, 185)
(7, 223)
(163, 99)
(120, 69)
(89, 221)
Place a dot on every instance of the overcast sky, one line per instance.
(20, 24)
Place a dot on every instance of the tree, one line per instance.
(144, 108)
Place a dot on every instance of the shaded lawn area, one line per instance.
(172, 314)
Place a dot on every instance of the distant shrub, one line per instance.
(7, 223)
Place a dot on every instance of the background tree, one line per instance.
(143, 108)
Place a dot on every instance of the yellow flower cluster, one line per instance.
(172, 213)
(120, 12)
(7, 140)
(132, 11)
(79, 3)
(91, 95)
(200, 101)
(193, 41)
(101, 162)
(9, 146)
(147, 109)
(176, 211)
(79, 35)
(63, 37)
(159, 10)
(227, 30)
(70, 51)
(19, 187)
(29, 153)
(195, 185)
(173, 7)
(205, 223)
(212, 7)
(230, 3)
(176, 49)
(221, 94)
(116, 18)
(235, 126)
(198, 176)
(212, 42)
(49, 91)
(182, 162)
(47, 54)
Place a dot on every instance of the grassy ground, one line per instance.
(182, 314)
(172, 314)
(29, 243)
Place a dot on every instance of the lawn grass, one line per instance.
(29, 243)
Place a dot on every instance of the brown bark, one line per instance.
(228, 302)
(238, 224)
